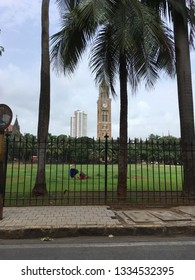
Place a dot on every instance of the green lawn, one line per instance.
(146, 182)
(141, 177)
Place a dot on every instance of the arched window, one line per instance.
(104, 116)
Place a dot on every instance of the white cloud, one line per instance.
(18, 13)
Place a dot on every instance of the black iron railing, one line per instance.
(155, 172)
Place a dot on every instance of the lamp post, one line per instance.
(5, 120)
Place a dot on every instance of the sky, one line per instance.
(152, 111)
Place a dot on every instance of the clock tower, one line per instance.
(103, 112)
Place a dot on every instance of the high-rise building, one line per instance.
(78, 124)
(103, 112)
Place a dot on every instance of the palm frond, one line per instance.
(104, 57)
(166, 7)
(67, 48)
(191, 17)
(68, 45)
(126, 27)
(67, 5)
(147, 43)
(1, 50)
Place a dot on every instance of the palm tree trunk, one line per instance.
(44, 103)
(185, 96)
(122, 170)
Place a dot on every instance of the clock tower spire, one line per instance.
(103, 112)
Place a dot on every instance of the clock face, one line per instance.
(104, 104)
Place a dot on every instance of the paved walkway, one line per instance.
(62, 221)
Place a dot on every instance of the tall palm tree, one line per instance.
(129, 42)
(182, 13)
(44, 103)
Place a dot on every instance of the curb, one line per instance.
(27, 233)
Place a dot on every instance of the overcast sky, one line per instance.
(154, 111)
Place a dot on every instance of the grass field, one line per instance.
(145, 183)
(141, 177)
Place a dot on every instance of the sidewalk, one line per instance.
(64, 221)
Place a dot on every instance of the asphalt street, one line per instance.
(100, 248)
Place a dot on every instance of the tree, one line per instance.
(182, 16)
(129, 42)
(44, 103)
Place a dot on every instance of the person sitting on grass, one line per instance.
(82, 176)
(73, 171)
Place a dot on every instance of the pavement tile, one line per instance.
(140, 216)
(95, 219)
(168, 215)
(187, 209)
(124, 218)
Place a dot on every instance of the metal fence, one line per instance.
(155, 172)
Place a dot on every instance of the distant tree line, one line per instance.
(64, 149)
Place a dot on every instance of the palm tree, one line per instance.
(183, 13)
(129, 42)
(44, 103)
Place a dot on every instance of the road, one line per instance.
(100, 248)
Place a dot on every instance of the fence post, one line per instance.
(106, 166)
